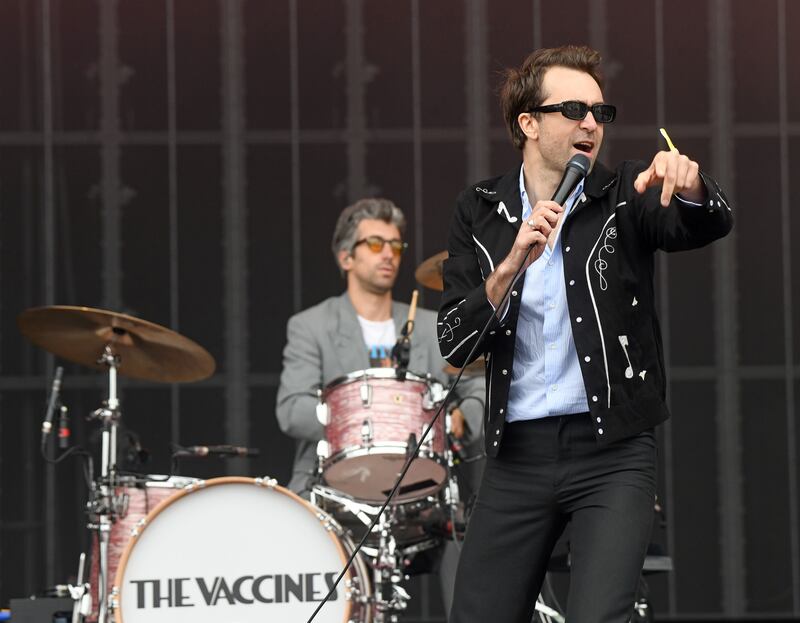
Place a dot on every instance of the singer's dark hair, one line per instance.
(522, 86)
(376, 208)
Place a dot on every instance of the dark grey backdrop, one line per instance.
(185, 160)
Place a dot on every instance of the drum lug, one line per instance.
(366, 432)
(322, 414)
(366, 394)
(323, 449)
(434, 396)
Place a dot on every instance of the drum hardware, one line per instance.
(366, 393)
(401, 353)
(116, 344)
(423, 514)
(321, 409)
(390, 598)
(366, 432)
(79, 592)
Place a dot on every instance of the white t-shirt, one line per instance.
(380, 337)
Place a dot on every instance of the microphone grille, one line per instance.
(581, 162)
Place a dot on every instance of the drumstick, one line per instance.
(412, 312)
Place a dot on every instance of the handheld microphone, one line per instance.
(577, 168)
(217, 451)
(55, 391)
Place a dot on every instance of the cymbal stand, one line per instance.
(104, 504)
(79, 592)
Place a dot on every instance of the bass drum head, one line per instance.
(237, 549)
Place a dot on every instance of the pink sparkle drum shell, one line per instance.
(371, 415)
(140, 494)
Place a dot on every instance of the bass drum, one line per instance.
(238, 549)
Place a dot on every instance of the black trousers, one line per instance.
(548, 473)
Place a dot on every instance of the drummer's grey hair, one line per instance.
(377, 208)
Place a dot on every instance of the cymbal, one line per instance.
(429, 273)
(146, 350)
(473, 369)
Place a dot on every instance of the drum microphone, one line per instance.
(401, 353)
(55, 392)
(217, 451)
(64, 432)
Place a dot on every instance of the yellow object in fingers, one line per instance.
(666, 137)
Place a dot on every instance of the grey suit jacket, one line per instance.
(324, 343)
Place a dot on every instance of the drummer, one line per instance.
(358, 330)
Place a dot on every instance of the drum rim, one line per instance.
(376, 373)
(335, 533)
(388, 447)
(397, 449)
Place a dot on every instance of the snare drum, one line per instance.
(238, 549)
(138, 495)
(372, 419)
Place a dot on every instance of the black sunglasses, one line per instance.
(602, 113)
(375, 244)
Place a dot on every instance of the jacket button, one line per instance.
(497, 432)
(501, 410)
(491, 332)
(513, 293)
(572, 282)
(578, 319)
(587, 359)
(505, 371)
(508, 331)
(598, 420)
(600, 431)
(567, 249)
(594, 398)
(495, 443)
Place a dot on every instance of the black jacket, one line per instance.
(608, 243)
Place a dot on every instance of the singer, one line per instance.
(358, 330)
(575, 371)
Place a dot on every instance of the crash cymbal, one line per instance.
(429, 273)
(146, 350)
(474, 369)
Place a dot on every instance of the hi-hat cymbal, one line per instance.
(146, 350)
(429, 273)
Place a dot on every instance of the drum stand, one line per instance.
(390, 598)
(103, 506)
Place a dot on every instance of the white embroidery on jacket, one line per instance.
(503, 211)
(600, 264)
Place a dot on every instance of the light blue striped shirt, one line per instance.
(546, 377)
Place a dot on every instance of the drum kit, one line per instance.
(172, 548)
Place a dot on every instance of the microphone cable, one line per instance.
(413, 455)
(576, 169)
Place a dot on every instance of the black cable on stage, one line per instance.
(577, 168)
(425, 433)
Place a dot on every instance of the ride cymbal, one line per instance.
(145, 350)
